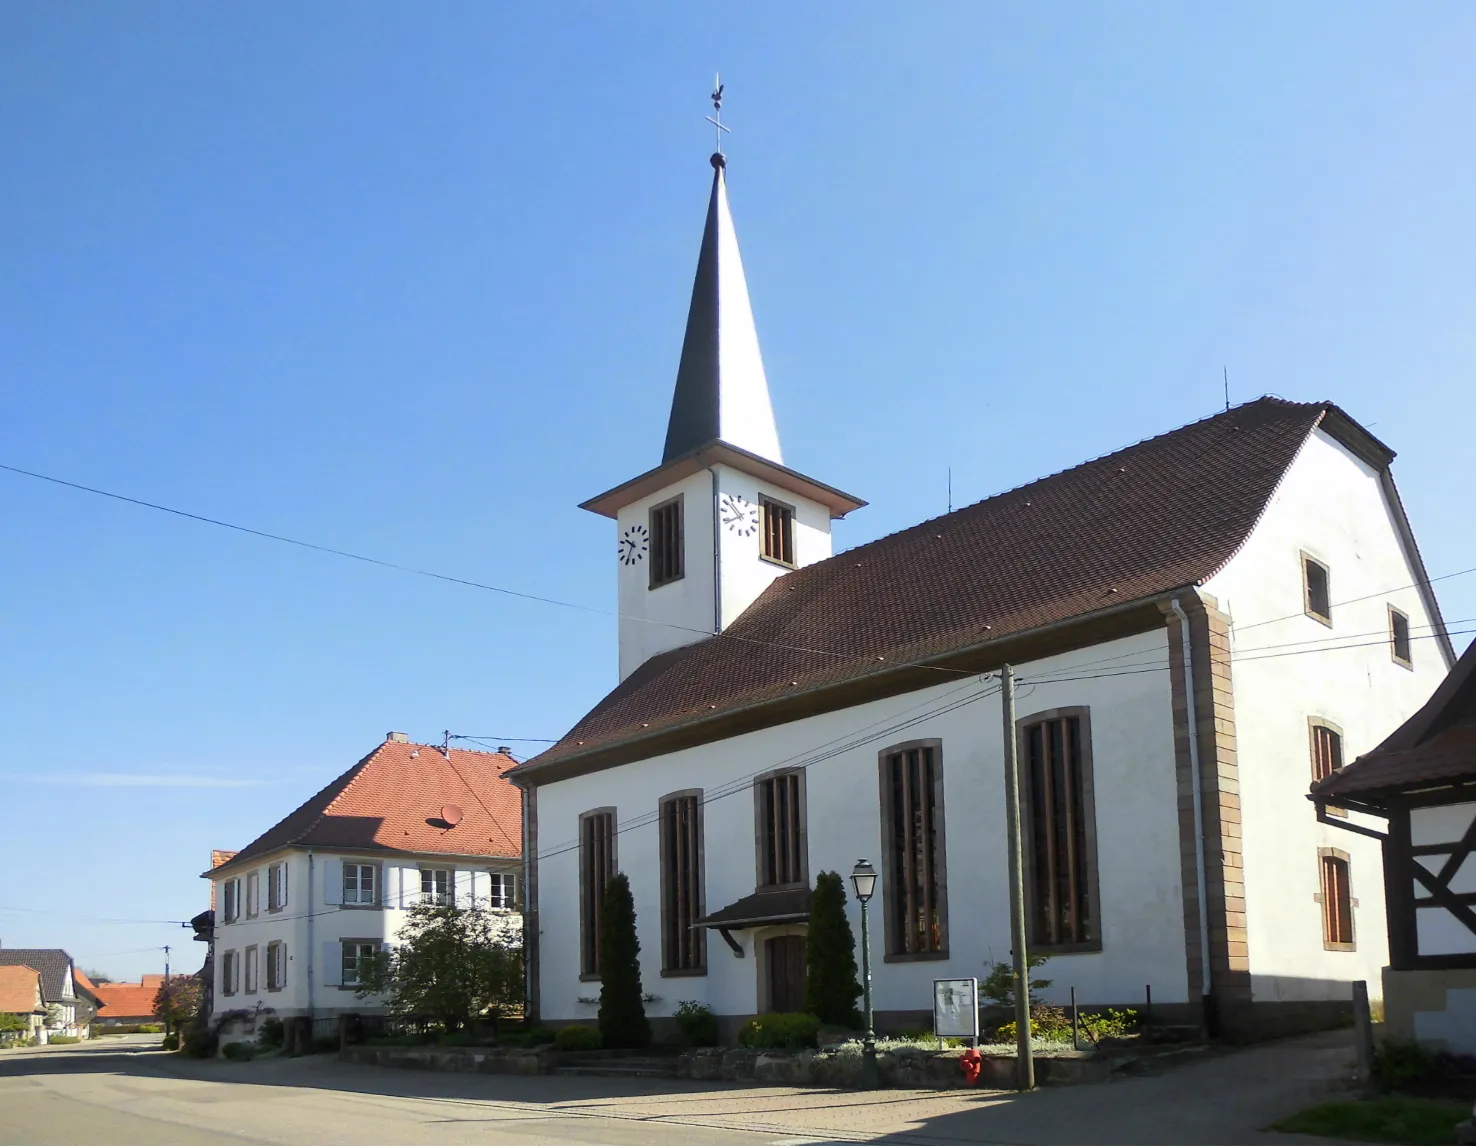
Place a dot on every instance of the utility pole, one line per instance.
(1024, 1059)
(166, 963)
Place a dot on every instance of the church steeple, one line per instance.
(721, 393)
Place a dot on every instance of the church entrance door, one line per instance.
(785, 956)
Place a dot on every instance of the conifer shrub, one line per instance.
(622, 1015)
(832, 986)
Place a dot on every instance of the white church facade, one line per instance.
(1200, 625)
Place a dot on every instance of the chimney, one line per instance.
(504, 750)
(401, 738)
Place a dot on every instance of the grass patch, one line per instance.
(1393, 1119)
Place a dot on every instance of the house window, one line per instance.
(778, 531)
(683, 947)
(231, 897)
(596, 866)
(230, 973)
(914, 889)
(437, 887)
(667, 563)
(779, 806)
(277, 887)
(253, 893)
(1399, 646)
(249, 968)
(276, 969)
(356, 953)
(1327, 753)
(1061, 841)
(504, 892)
(1316, 590)
(1337, 902)
(359, 884)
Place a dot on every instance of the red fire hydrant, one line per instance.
(972, 1063)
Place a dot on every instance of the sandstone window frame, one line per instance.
(1316, 589)
(1399, 636)
(1079, 801)
(1335, 870)
(598, 862)
(781, 838)
(683, 860)
(667, 523)
(927, 797)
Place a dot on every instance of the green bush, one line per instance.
(127, 1029)
(238, 1050)
(1046, 1023)
(1111, 1024)
(780, 1030)
(578, 1037)
(695, 1023)
(1398, 1063)
(65, 1039)
(270, 1034)
(622, 1016)
(325, 1043)
(171, 1042)
(462, 1039)
(538, 1036)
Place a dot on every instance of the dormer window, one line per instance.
(666, 543)
(778, 531)
(1316, 592)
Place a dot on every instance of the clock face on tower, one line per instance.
(741, 517)
(633, 545)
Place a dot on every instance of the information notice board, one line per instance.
(956, 1008)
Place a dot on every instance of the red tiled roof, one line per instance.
(1157, 516)
(20, 990)
(128, 1001)
(392, 799)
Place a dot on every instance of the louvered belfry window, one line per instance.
(1059, 842)
(683, 947)
(779, 806)
(596, 866)
(914, 889)
(667, 563)
(778, 527)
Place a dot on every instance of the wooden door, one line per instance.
(785, 956)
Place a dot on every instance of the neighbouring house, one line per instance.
(1421, 780)
(20, 995)
(298, 908)
(128, 1003)
(88, 1001)
(1198, 624)
(68, 1011)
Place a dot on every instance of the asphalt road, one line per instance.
(122, 1089)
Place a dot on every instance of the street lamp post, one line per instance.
(863, 882)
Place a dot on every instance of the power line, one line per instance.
(86, 919)
(333, 550)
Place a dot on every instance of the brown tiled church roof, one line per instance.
(1163, 514)
(392, 800)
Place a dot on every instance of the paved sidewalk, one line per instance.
(135, 1094)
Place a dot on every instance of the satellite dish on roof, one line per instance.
(452, 814)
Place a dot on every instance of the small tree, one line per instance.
(177, 1001)
(452, 965)
(831, 985)
(623, 1020)
(97, 977)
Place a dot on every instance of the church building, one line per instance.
(1201, 625)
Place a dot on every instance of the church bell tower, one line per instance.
(702, 535)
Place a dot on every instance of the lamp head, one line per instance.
(863, 880)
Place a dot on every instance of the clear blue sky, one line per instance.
(411, 281)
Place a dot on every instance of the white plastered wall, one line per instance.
(745, 573)
(1137, 839)
(1331, 506)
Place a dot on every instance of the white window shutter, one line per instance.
(509, 890)
(410, 887)
(462, 882)
(389, 895)
(282, 900)
(332, 967)
(282, 956)
(332, 880)
(480, 889)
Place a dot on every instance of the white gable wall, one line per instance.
(1137, 839)
(745, 573)
(1332, 506)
